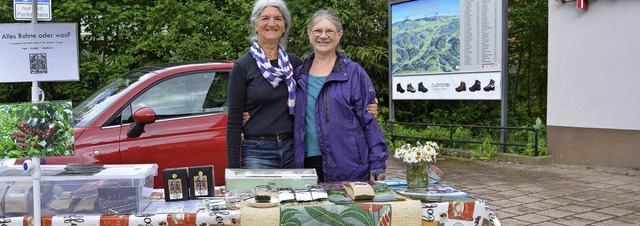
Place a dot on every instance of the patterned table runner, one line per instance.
(350, 214)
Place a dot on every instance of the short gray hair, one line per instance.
(329, 15)
(255, 14)
(325, 14)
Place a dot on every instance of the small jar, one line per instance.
(262, 193)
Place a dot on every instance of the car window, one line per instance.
(92, 107)
(217, 95)
(183, 95)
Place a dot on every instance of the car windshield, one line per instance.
(87, 111)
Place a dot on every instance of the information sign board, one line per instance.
(445, 49)
(39, 52)
(23, 10)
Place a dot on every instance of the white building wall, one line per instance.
(594, 65)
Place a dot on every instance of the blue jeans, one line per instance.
(267, 154)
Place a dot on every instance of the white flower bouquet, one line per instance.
(419, 153)
(417, 158)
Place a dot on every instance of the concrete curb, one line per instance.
(504, 157)
(523, 159)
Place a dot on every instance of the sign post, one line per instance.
(38, 52)
(21, 9)
(35, 171)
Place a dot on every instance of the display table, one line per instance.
(437, 205)
(133, 220)
(444, 205)
(405, 212)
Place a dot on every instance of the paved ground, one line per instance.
(544, 195)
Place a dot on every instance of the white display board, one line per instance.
(447, 87)
(39, 52)
(446, 45)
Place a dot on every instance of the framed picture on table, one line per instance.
(201, 181)
(176, 186)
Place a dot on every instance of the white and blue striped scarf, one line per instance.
(274, 75)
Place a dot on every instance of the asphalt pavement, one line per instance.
(544, 195)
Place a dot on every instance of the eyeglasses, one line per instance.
(318, 32)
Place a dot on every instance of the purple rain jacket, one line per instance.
(351, 140)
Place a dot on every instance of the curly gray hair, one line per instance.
(255, 14)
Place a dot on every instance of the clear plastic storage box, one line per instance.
(116, 189)
(247, 179)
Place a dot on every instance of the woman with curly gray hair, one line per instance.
(262, 84)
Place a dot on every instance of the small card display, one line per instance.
(201, 181)
(176, 186)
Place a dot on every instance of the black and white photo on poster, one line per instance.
(38, 63)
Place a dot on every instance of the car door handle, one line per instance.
(96, 153)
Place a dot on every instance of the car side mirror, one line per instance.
(141, 117)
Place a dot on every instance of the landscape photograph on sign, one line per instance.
(425, 37)
(36, 129)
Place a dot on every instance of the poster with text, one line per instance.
(446, 49)
(36, 129)
(39, 52)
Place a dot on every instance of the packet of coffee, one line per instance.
(286, 195)
(303, 195)
(318, 193)
(359, 190)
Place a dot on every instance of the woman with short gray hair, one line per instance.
(334, 133)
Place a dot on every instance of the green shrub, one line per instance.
(441, 134)
(486, 151)
(542, 141)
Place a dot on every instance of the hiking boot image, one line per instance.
(410, 88)
(462, 87)
(475, 86)
(421, 88)
(491, 86)
(399, 88)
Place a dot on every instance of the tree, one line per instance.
(122, 35)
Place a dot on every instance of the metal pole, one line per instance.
(392, 115)
(535, 142)
(35, 173)
(35, 90)
(505, 74)
(451, 136)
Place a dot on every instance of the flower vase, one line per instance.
(417, 175)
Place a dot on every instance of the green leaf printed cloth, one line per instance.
(351, 214)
